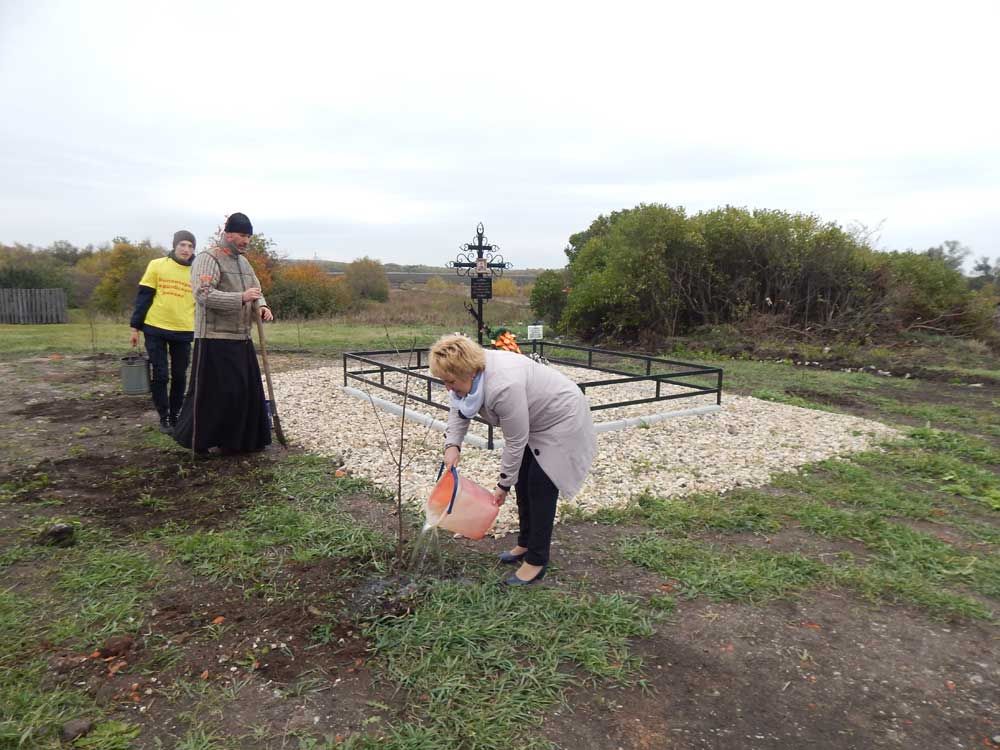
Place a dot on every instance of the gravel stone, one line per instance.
(743, 445)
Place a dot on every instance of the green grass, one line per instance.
(96, 591)
(112, 337)
(110, 735)
(29, 715)
(748, 575)
(832, 390)
(933, 476)
(983, 421)
(482, 667)
(409, 315)
(296, 519)
(29, 483)
(777, 377)
(740, 511)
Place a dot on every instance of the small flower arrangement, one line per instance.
(503, 339)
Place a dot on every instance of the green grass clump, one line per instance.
(946, 473)
(955, 444)
(111, 587)
(858, 485)
(482, 667)
(861, 499)
(97, 592)
(733, 512)
(900, 549)
(748, 575)
(297, 519)
(880, 584)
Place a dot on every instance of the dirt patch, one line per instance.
(86, 410)
(296, 662)
(823, 671)
(141, 488)
(830, 399)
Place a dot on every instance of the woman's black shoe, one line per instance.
(515, 581)
(509, 559)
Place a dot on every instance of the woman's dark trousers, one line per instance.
(536, 509)
(175, 372)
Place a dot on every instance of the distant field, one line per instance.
(409, 315)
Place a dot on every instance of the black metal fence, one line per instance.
(645, 369)
(626, 367)
(33, 306)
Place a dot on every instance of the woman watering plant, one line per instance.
(548, 436)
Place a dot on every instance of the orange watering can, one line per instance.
(460, 505)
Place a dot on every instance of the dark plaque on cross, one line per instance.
(482, 287)
(480, 262)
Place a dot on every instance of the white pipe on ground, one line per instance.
(419, 417)
(480, 442)
(621, 424)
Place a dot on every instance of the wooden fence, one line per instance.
(33, 306)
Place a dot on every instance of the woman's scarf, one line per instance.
(469, 406)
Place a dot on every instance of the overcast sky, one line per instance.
(391, 129)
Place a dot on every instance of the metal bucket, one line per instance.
(135, 374)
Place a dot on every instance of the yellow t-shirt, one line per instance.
(173, 303)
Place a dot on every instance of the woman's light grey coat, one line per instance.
(535, 406)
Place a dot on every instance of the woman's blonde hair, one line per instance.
(454, 355)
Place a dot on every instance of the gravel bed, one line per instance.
(742, 445)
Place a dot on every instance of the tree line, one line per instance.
(104, 279)
(655, 271)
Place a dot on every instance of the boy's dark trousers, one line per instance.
(157, 347)
(536, 509)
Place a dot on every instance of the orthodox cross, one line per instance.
(480, 262)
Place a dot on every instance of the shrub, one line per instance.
(921, 287)
(122, 267)
(265, 260)
(305, 290)
(652, 272)
(367, 279)
(24, 268)
(505, 288)
(437, 284)
(548, 296)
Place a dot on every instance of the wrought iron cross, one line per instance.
(480, 262)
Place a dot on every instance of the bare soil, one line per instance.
(823, 670)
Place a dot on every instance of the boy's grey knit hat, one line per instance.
(181, 235)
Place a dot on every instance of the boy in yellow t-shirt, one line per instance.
(164, 313)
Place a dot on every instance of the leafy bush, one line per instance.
(437, 284)
(652, 272)
(367, 279)
(265, 260)
(305, 290)
(920, 288)
(23, 268)
(548, 296)
(505, 288)
(124, 265)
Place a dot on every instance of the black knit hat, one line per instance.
(181, 235)
(239, 223)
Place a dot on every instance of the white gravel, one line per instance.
(743, 445)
